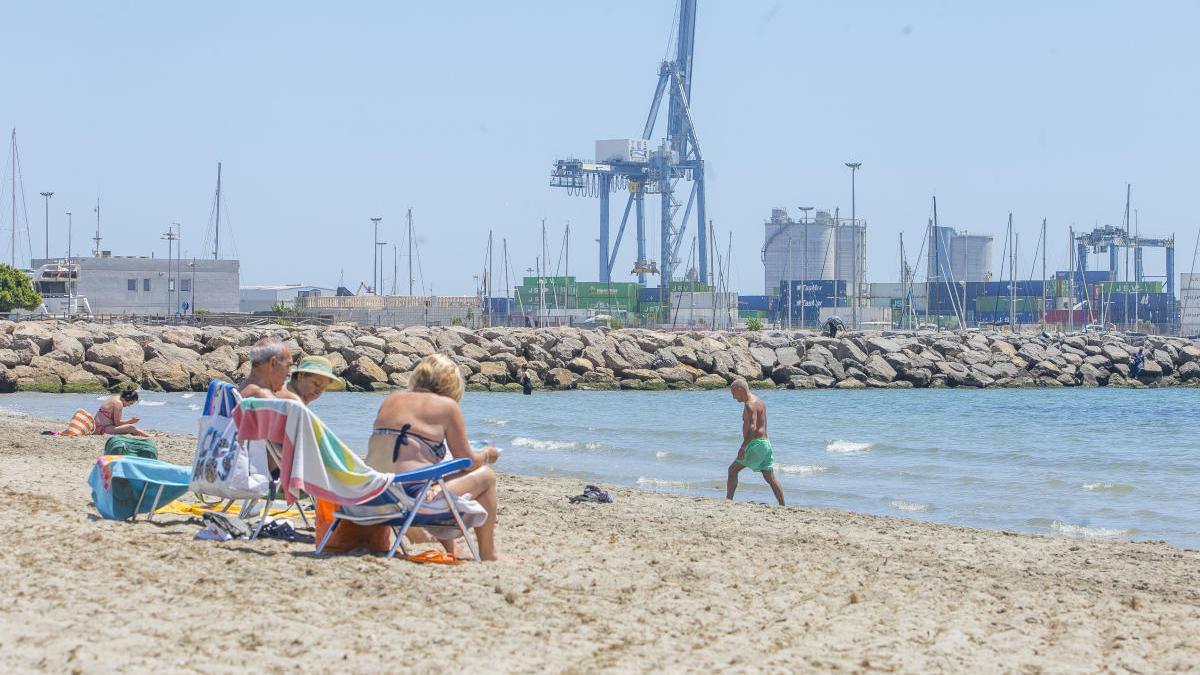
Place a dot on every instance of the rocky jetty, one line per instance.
(86, 357)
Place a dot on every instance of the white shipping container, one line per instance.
(623, 150)
(1189, 304)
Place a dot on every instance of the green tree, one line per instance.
(16, 291)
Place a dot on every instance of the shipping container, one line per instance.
(1068, 317)
(623, 150)
(754, 302)
(1024, 318)
(1130, 287)
(1006, 304)
(1089, 277)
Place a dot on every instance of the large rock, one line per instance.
(122, 353)
(371, 341)
(676, 375)
(787, 356)
(561, 378)
(222, 359)
(25, 378)
(878, 368)
(399, 363)
(160, 373)
(363, 372)
(353, 353)
(1114, 353)
(34, 332)
(496, 371)
(336, 341)
(878, 343)
(66, 349)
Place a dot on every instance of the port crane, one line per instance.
(653, 171)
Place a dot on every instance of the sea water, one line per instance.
(1093, 463)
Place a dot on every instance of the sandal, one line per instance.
(435, 557)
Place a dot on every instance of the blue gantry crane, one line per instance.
(634, 165)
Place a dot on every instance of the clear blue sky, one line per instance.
(325, 114)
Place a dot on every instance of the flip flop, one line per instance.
(435, 557)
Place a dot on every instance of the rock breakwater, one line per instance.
(83, 357)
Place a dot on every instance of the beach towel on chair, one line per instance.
(81, 424)
(313, 458)
(124, 485)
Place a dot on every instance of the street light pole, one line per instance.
(47, 195)
(375, 260)
(857, 240)
(69, 289)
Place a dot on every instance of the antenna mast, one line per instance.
(96, 238)
(410, 253)
(217, 227)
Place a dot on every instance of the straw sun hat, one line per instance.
(322, 367)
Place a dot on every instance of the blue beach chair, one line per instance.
(402, 505)
(121, 483)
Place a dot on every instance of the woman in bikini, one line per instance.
(417, 428)
(108, 418)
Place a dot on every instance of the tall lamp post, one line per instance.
(170, 236)
(47, 196)
(69, 273)
(375, 260)
(857, 239)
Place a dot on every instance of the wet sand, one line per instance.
(650, 582)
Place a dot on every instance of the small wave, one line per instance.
(848, 447)
(537, 444)
(901, 505)
(1085, 532)
(10, 412)
(193, 406)
(493, 420)
(592, 445)
(191, 395)
(153, 403)
(1116, 488)
(800, 469)
(658, 482)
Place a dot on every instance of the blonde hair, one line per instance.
(436, 373)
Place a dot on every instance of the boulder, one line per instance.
(222, 359)
(878, 343)
(83, 382)
(25, 378)
(878, 368)
(371, 341)
(850, 383)
(1114, 353)
(787, 356)
(165, 374)
(336, 341)
(814, 368)
(846, 349)
(66, 349)
(352, 354)
(393, 363)
(11, 358)
(579, 365)
(36, 333)
(765, 357)
(710, 382)
(561, 378)
(495, 371)
(1189, 371)
(675, 375)
(473, 352)
(122, 353)
(363, 372)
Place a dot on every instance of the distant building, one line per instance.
(264, 298)
(821, 248)
(959, 256)
(153, 286)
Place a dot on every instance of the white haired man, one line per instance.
(270, 364)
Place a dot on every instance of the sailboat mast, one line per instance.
(97, 237)
(217, 226)
(13, 261)
(410, 253)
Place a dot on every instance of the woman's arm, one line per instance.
(456, 438)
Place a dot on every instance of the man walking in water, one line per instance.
(756, 453)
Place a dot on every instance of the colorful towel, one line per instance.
(198, 510)
(313, 459)
(118, 480)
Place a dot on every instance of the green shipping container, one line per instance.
(992, 303)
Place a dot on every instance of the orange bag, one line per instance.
(82, 424)
(349, 536)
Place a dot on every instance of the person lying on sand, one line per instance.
(756, 453)
(108, 418)
(415, 429)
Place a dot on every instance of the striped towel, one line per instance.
(81, 424)
(313, 460)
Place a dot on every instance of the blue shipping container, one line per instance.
(815, 293)
(760, 303)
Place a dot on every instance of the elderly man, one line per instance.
(270, 363)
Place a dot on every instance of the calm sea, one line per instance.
(1096, 463)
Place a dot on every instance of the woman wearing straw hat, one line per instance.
(312, 377)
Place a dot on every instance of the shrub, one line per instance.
(16, 290)
(754, 323)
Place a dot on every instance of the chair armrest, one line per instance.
(433, 472)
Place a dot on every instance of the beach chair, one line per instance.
(395, 509)
(121, 483)
(314, 461)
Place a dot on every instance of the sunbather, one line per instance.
(312, 377)
(416, 428)
(108, 418)
(270, 363)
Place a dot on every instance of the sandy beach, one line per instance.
(650, 582)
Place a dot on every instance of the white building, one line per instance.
(264, 298)
(152, 286)
(1189, 304)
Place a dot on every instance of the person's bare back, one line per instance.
(755, 452)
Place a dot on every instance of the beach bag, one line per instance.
(81, 424)
(130, 445)
(225, 467)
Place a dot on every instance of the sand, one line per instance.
(650, 582)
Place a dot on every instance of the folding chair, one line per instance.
(117, 479)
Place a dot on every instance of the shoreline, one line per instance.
(83, 357)
(698, 583)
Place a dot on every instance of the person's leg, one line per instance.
(481, 483)
(130, 430)
(769, 476)
(732, 481)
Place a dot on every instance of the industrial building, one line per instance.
(823, 248)
(265, 298)
(958, 256)
(1189, 304)
(152, 286)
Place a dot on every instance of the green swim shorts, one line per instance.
(758, 456)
